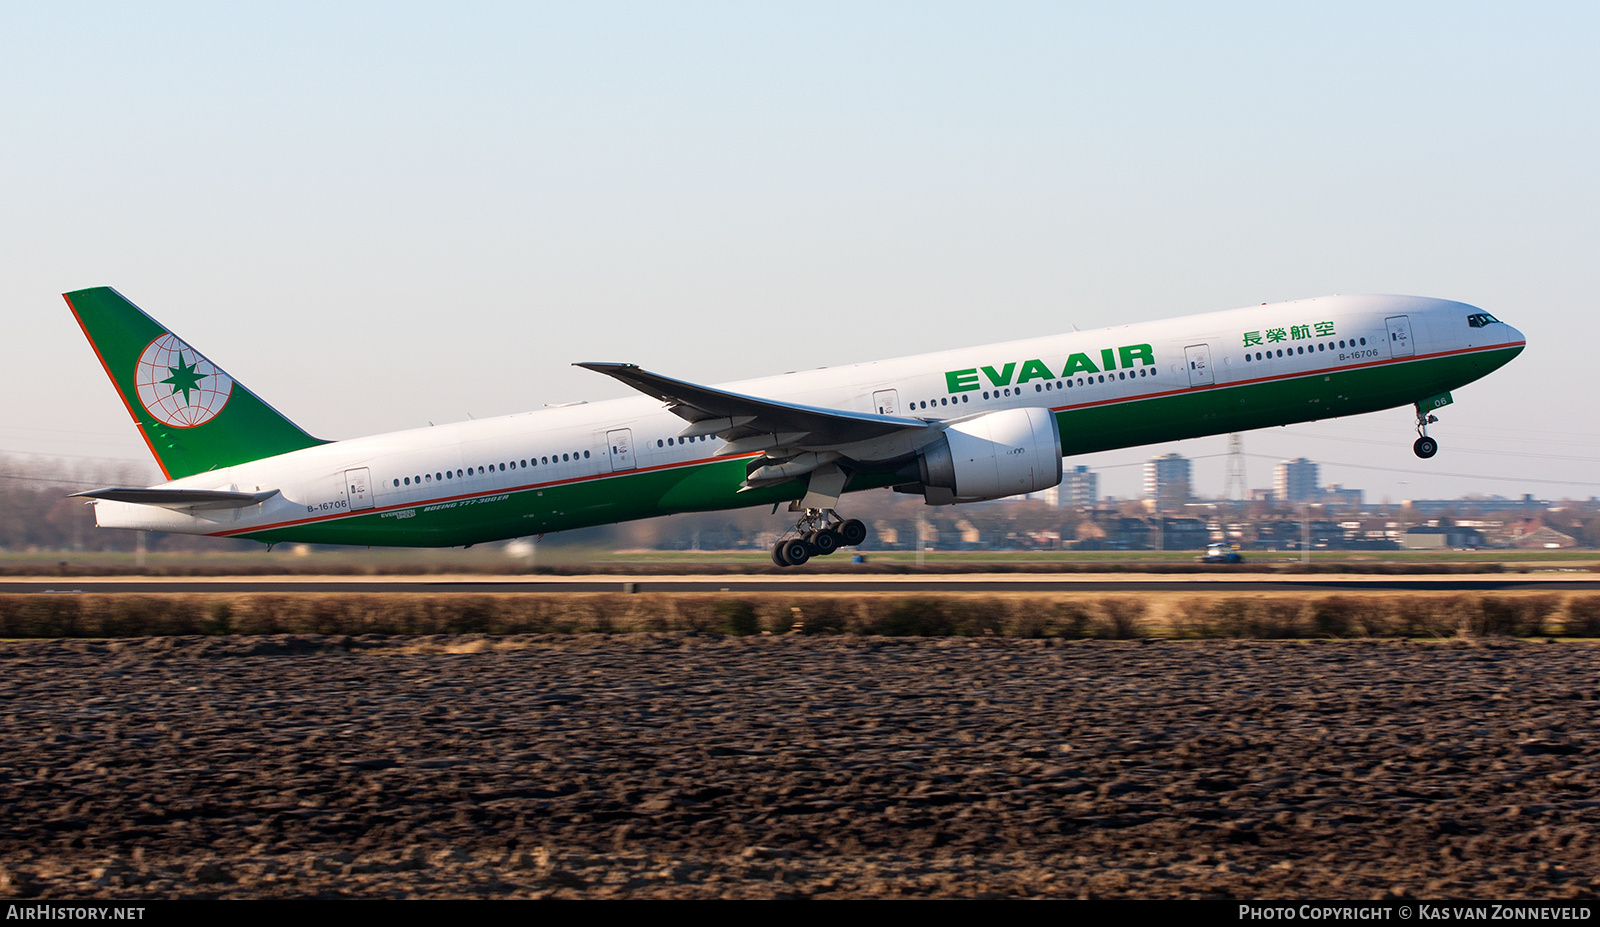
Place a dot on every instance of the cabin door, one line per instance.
(621, 442)
(1399, 336)
(886, 401)
(358, 489)
(1199, 358)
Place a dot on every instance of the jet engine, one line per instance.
(992, 456)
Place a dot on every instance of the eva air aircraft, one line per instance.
(958, 426)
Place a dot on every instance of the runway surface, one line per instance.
(829, 583)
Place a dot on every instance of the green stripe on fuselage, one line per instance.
(714, 486)
(1284, 400)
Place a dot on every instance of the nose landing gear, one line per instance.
(818, 534)
(1425, 446)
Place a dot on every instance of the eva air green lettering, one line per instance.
(1125, 356)
(961, 381)
(1079, 363)
(1143, 353)
(1035, 370)
(1003, 377)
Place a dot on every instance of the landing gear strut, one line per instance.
(1425, 446)
(819, 533)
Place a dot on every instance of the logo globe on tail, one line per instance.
(178, 385)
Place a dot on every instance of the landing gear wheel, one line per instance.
(794, 552)
(777, 555)
(853, 532)
(825, 542)
(1425, 447)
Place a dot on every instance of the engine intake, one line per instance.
(995, 455)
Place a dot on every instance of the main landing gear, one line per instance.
(819, 533)
(1425, 446)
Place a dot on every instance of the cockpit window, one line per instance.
(1480, 319)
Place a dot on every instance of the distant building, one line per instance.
(1184, 534)
(1080, 488)
(1336, 494)
(1051, 496)
(1296, 481)
(1477, 505)
(1166, 480)
(1434, 537)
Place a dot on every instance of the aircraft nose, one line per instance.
(1513, 336)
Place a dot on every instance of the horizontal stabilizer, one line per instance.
(179, 498)
(733, 415)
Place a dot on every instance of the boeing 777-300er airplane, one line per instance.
(957, 426)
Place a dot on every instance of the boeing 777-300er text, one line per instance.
(957, 426)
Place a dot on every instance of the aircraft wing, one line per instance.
(733, 415)
(179, 498)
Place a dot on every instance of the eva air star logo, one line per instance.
(179, 386)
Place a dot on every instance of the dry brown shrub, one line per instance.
(1433, 616)
(977, 617)
(1241, 617)
(1583, 616)
(1120, 618)
(1336, 616)
(816, 615)
(910, 617)
(41, 615)
(1069, 618)
(1512, 616)
(699, 612)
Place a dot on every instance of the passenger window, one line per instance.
(585, 455)
(397, 482)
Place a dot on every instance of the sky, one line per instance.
(381, 215)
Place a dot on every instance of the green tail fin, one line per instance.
(193, 415)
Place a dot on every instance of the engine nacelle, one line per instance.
(992, 456)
